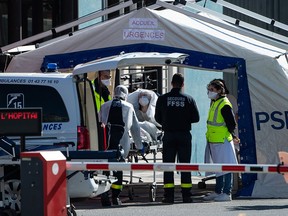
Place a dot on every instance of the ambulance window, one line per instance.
(21, 96)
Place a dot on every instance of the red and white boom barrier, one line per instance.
(281, 168)
(182, 167)
(43, 177)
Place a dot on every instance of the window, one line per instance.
(20, 96)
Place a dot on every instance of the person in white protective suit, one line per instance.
(119, 118)
(144, 103)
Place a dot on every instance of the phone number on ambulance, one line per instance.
(22, 81)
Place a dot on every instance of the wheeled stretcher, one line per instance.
(154, 147)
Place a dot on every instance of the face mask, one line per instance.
(106, 82)
(143, 101)
(212, 95)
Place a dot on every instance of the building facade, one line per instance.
(273, 9)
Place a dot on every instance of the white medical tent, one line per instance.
(262, 75)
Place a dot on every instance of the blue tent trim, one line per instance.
(195, 59)
(246, 132)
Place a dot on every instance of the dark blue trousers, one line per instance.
(177, 143)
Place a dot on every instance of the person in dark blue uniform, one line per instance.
(176, 111)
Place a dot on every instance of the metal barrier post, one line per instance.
(43, 183)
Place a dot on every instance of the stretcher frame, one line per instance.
(133, 156)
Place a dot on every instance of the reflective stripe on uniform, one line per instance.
(169, 185)
(217, 130)
(186, 185)
(214, 122)
(115, 186)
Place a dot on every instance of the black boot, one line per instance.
(105, 199)
(186, 195)
(168, 196)
(115, 197)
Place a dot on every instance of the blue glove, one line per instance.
(145, 148)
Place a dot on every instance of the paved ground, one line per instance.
(140, 185)
(141, 192)
(136, 199)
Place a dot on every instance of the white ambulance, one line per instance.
(67, 117)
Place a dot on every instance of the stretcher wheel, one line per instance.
(71, 212)
(152, 193)
(201, 185)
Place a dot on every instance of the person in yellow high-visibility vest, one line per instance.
(100, 86)
(220, 138)
(102, 95)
